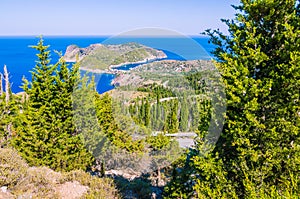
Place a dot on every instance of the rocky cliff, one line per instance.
(73, 51)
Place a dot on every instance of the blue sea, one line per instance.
(19, 57)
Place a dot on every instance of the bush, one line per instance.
(141, 188)
(98, 187)
(12, 167)
(137, 188)
(40, 182)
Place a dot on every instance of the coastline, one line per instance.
(98, 71)
(144, 61)
(112, 69)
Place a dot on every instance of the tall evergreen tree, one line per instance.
(147, 113)
(258, 153)
(85, 117)
(153, 119)
(47, 136)
(142, 112)
(172, 125)
(184, 114)
(106, 112)
(159, 113)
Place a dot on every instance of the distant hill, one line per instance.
(160, 72)
(102, 57)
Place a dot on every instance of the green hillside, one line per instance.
(100, 57)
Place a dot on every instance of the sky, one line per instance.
(111, 17)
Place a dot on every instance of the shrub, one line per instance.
(12, 167)
(40, 182)
(98, 187)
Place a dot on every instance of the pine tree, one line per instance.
(106, 112)
(261, 75)
(47, 136)
(85, 117)
(258, 153)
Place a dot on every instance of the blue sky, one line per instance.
(110, 17)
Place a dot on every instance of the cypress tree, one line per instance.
(184, 114)
(142, 112)
(171, 125)
(159, 115)
(147, 112)
(154, 116)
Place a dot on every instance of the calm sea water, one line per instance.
(16, 54)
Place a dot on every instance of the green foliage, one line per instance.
(10, 107)
(140, 111)
(197, 82)
(107, 122)
(137, 188)
(171, 123)
(157, 90)
(47, 135)
(131, 56)
(184, 115)
(85, 117)
(258, 153)
(172, 110)
(9, 117)
(147, 112)
(158, 142)
(106, 55)
(204, 115)
(180, 186)
(101, 58)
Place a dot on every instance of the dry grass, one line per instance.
(23, 181)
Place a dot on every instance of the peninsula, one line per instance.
(104, 58)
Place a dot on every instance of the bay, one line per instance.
(16, 54)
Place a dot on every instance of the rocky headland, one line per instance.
(105, 58)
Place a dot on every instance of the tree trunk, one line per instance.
(158, 175)
(6, 85)
(1, 85)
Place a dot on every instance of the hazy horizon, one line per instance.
(92, 17)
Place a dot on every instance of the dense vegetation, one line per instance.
(61, 122)
(258, 153)
(38, 123)
(47, 136)
(171, 110)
